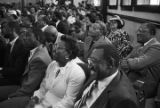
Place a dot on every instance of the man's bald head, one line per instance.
(51, 34)
(51, 30)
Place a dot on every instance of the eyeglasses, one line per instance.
(92, 62)
(55, 47)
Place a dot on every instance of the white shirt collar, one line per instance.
(13, 41)
(105, 82)
(43, 28)
(57, 22)
(149, 41)
(69, 64)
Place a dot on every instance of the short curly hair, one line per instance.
(110, 54)
(71, 46)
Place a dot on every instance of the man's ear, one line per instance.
(152, 32)
(112, 62)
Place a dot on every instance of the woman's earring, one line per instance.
(66, 58)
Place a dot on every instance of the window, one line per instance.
(97, 2)
(126, 2)
(148, 5)
(154, 2)
(113, 4)
(148, 2)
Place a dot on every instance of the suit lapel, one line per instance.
(86, 84)
(152, 42)
(14, 49)
(38, 50)
(35, 54)
(102, 100)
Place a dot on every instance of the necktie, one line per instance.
(84, 97)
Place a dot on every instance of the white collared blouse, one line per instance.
(61, 85)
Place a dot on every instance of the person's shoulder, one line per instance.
(76, 69)
(43, 55)
(19, 46)
(123, 87)
(20, 42)
(155, 44)
(102, 40)
(75, 63)
(53, 63)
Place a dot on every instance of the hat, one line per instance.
(117, 18)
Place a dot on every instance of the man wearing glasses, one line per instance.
(111, 88)
(143, 64)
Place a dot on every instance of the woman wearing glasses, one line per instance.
(63, 80)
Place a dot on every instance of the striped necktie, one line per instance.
(84, 97)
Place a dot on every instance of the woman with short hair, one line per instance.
(64, 77)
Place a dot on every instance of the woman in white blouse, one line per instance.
(64, 77)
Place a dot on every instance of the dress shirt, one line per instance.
(149, 41)
(43, 28)
(57, 23)
(97, 91)
(12, 43)
(59, 90)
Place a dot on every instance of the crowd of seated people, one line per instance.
(62, 56)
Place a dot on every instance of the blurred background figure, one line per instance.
(119, 37)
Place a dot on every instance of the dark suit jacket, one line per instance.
(118, 94)
(89, 45)
(15, 62)
(34, 72)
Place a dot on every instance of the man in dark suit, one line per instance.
(34, 72)
(143, 64)
(111, 88)
(15, 55)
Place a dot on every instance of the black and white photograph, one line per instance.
(79, 53)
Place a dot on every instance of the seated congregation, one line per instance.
(68, 57)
